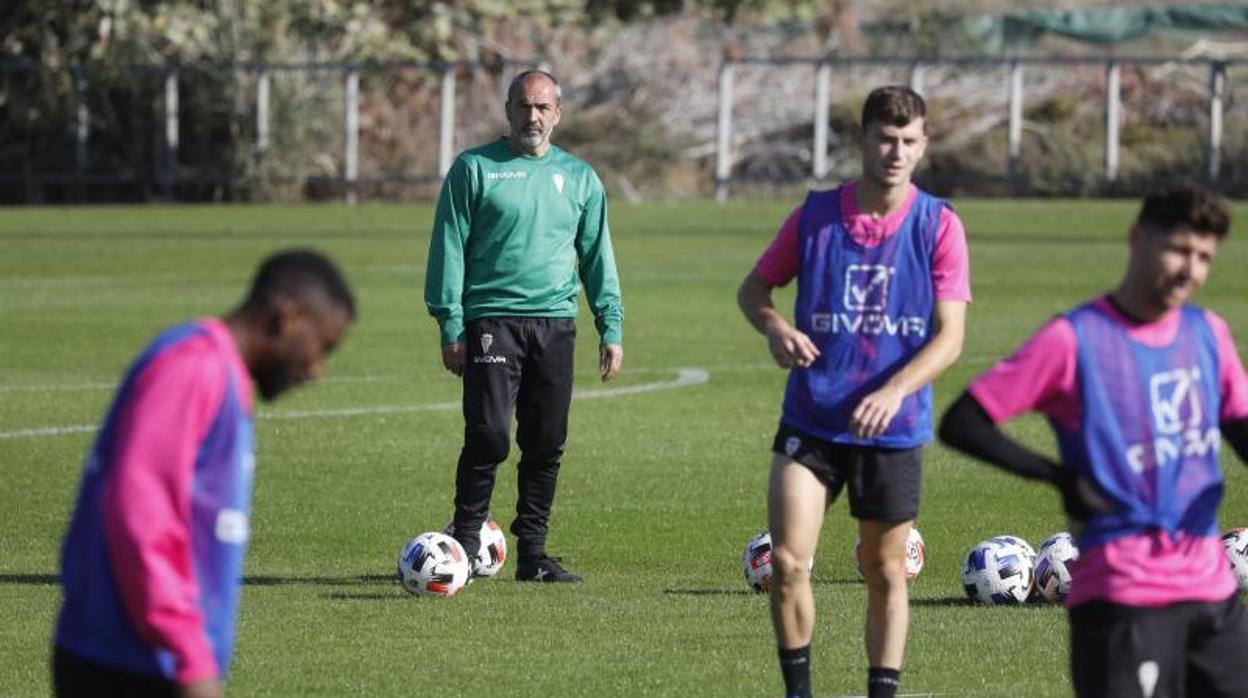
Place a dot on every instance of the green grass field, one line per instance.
(659, 492)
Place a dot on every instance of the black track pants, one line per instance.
(522, 365)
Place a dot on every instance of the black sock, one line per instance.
(882, 682)
(795, 665)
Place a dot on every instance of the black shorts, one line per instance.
(74, 676)
(1184, 649)
(883, 482)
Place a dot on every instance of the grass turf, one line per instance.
(659, 492)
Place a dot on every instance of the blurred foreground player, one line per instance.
(151, 564)
(1139, 387)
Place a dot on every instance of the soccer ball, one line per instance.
(757, 562)
(1236, 543)
(1053, 566)
(997, 571)
(493, 551)
(433, 564)
(1024, 545)
(916, 552)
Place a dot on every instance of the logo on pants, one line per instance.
(487, 341)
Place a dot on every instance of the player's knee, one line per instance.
(885, 571)
(488, 446)
(788, 567)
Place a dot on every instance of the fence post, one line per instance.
(262, 112)
(81, 132)
(723, 141)
(1217, 89)
(446, 132)
(169, 169)
(819, 165)
(1113, 85)
(352, 121)
(916, 77)
(1016, 119)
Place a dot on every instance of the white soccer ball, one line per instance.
(1236, 543)
(757, 562)
(1024, 545)
(493, 551)
(998, 571)
(1053, 566)
(916, 553)
(433, 564)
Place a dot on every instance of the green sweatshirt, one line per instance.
(511, 235)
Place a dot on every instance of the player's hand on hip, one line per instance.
(791, 347)
(876, 411)
(610, 357)
(453, 357)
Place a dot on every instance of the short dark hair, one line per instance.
(516, 82)
(892, 105)
(298, 272)
(1186, 205)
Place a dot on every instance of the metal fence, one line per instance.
(1011, 73)
(323, 106)
(167, 148)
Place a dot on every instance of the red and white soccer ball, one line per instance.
(1057, 552)
(757, 562)
(916, 553)
(433, 564)
(1236, 543)
(493, 551)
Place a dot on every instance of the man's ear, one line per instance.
(282, 315)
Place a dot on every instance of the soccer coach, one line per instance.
(518, 220)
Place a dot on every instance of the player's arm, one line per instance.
(146, 508)
(445, 267)
(876, 410)
(1236, 434)
(788, 345)
(601, 279)
(967, 427)
(1232, 387)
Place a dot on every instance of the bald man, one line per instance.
(521, 225)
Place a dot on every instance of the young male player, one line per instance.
(1139, 387)
(882, 287)
(152, 561)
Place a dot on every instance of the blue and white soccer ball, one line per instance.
(1015, 540)
(1053, 566)
(493, 551)
(998, 571)
(1236, 543)
(757, 562)
(433, 564)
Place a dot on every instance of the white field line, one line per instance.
(685, 377)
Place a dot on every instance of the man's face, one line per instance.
(532, 112)
(1171, 265)
(890, 153)
(303, 333)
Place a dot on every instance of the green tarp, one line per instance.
(1109, 25)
